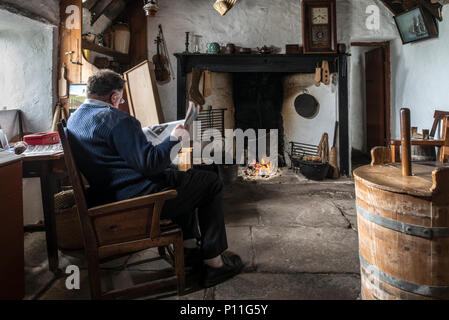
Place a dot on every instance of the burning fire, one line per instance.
(262, 168)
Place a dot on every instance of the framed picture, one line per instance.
(416, 25)
(77, 95)
(399, 7)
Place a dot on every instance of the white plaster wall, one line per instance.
(27, 82)
(26, 64)
(420, 77)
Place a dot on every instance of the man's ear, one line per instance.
(114, 98)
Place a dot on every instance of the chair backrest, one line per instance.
(438, 116)
(73, 172)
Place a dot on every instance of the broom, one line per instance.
(333, 161)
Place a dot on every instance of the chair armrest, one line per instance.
(132, 204)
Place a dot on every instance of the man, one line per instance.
(112, 152)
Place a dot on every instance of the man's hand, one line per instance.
(180, 132)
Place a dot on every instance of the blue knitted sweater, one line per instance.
(112, 152)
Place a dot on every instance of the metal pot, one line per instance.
(306, 105)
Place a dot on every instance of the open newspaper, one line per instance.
(157, 134)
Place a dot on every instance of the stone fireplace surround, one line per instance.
(256, 66)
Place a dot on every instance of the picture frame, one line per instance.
(416, 25)
(77, 95)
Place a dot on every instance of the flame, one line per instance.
(264, 168)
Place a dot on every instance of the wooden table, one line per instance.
(12, 273)
(396, 146)
(50, 169)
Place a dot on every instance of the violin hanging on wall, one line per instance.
(163, 67)
(160, 64)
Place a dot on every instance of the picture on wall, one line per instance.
(78, 93)
(415, 25)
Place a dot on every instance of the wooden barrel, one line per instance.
(424, 153)
(403, 225)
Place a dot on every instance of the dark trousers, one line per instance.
(202, 190)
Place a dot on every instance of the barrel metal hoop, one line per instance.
(428, 291)
(410, 229)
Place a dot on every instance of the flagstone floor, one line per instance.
(297, 238)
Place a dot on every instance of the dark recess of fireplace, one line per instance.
(258, 99)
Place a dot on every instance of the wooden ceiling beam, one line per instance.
(89, 4)
(98, 9)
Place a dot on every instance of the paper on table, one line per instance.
(45, 150)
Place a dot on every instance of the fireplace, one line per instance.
(257, 86)
(258, 101)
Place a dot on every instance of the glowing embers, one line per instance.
(263, 169)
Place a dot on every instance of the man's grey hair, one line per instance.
(104, 83)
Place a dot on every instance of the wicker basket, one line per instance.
(68, 227)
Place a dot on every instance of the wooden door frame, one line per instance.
(386, 46)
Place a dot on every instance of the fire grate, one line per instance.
(306, 159)
(300, 150)
(212, 119)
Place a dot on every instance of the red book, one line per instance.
(40, 139)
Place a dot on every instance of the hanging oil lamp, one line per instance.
(151, 8)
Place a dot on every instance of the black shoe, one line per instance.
(232, 266)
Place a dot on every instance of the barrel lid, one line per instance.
(389, 177)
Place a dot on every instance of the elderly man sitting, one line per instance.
(115, 157)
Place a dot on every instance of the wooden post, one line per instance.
(406, 142)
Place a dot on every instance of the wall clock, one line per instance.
(319, 22)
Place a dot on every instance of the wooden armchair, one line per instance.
(124, 227)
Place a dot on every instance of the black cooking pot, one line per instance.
(306, 106)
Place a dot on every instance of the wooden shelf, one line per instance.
(120, 57)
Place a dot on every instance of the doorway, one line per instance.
(370, 86)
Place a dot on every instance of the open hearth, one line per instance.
(263, 68)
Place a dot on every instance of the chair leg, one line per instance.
(162, 252)
(179, 264)
(94, 279)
